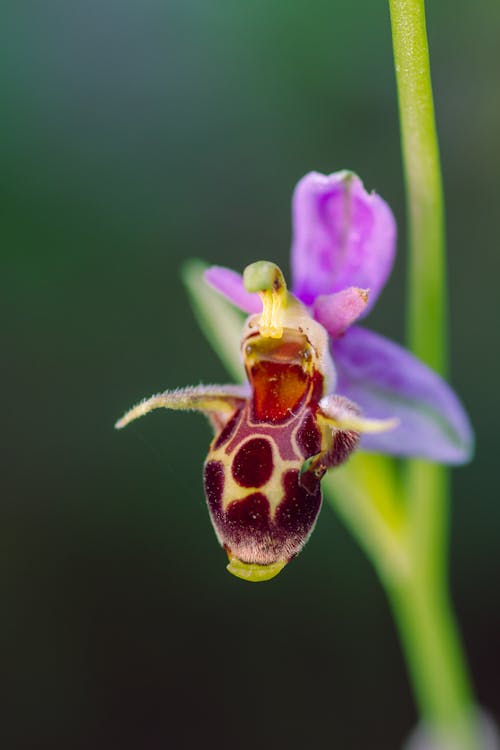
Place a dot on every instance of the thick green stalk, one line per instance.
(421, 603)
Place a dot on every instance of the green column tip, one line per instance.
(263, 276)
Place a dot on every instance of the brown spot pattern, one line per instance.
(253, 463)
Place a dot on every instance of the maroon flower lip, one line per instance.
(261, 510)
(267, 513)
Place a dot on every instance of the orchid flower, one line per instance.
(343, 251)
(317, 384)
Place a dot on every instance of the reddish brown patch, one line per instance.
(297, 512)
(309, 436)
(253, 464)
(248, 516)
(278, 390)
(214, 484)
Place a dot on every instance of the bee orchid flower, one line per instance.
(343, 249)
(318, 386)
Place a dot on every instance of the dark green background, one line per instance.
(135, 135)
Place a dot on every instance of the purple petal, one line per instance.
(342, 237)
(230, 284)
(385, 380)
(336, 312)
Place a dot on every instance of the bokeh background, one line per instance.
(136, 135)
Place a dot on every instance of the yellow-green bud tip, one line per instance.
(263, 276)
(253, 572)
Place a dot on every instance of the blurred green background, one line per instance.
(136, 135)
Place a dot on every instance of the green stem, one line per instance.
(424, 618)
(421, 603)
(427, 329)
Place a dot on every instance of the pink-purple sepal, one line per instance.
(337, 312)
(342, 236)
(230, 285)
(386, 380)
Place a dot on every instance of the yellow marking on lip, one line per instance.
(252, 571)
(273, 489)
